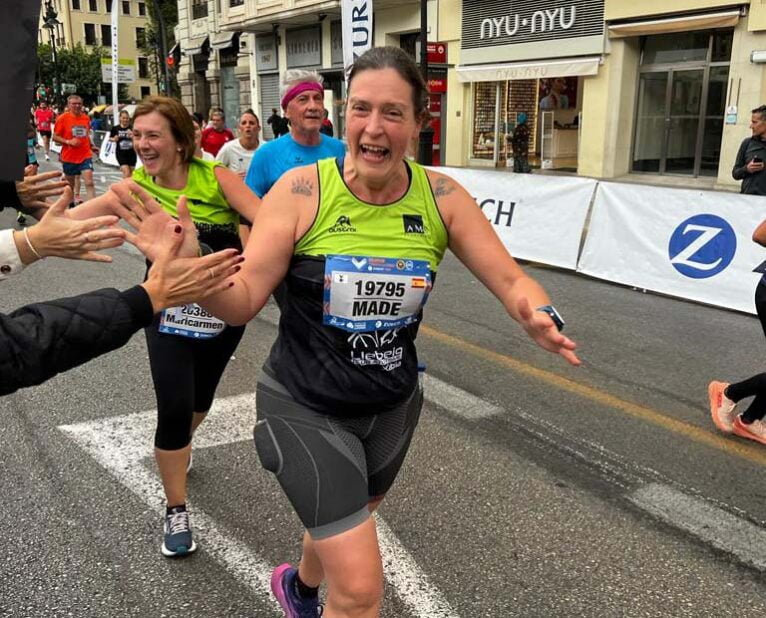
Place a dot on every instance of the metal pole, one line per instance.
(56, 81)
(426, 142)
(163, 47)
(115, 66)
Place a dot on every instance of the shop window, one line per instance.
(723, 40)
(676, 47)
(484, 120)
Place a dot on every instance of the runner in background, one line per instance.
(122, 136)
(198, 121)
(44, 118)
(72, 130)
(216, 135)
(302, 95)
(237, 154)
(725, 397)
(32, 164)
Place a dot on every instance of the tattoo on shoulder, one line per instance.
(443, 187)
(303, 186)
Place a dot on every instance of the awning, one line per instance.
(192, 47)
(563, 67)
(222, 40)
(705, 21)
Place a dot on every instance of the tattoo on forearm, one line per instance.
(443, 187)
(302, 186)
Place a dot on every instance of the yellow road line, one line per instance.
(750, 452)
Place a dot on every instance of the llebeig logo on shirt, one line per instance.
(342, 226)
(702, 246)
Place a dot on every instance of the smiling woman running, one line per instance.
(357, 242)
(188, 349)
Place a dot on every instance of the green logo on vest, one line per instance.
(342, 226)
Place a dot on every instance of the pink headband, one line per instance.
(296, 90)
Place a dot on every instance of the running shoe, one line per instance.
(283, 587)
(21, 219)
(721, 407)
(754, 431)
(47, 158)
(178, 536)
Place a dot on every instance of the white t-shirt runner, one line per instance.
(234, 156)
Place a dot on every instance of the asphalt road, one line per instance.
(532, 489)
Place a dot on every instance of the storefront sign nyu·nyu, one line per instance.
(357, 29)
(548, 20)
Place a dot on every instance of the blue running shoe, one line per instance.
(178, 536)
(283, 587)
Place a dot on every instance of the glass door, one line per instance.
(649, 145)
(683, 121)
(668, 137)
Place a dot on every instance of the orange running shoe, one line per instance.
(754, 431)
(721, 407)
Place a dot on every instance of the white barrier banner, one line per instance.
(538, 218)
(108, 152)
(686, 243)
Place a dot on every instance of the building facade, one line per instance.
(611, 87)
(88, 22)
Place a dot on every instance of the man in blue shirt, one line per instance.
(303, 105)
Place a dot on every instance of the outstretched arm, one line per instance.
(476, 244)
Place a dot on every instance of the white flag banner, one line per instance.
(357, 30)
(685, 243)
(538, 218)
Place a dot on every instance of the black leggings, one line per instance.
(186, 373)
(755, 386)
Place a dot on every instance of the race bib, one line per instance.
(79, 131)
(363, 294)
(190, 321)
(126, 145)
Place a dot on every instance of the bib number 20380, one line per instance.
(190, 321)
(365, 293)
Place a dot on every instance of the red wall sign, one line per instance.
(436, 52)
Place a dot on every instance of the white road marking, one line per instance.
(122, 444)
(715, 526)
(456, 400)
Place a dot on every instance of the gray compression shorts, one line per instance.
(331, 467)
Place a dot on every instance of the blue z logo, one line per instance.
(702, 246)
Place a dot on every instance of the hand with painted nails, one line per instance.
(173, 281)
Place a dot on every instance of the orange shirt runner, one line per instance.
(68, 126)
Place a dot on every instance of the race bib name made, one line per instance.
(363, 294)
(190, 321)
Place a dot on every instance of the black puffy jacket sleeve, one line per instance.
(43, 339)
